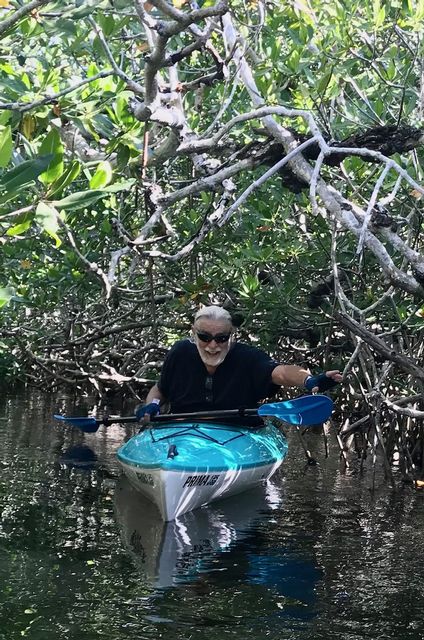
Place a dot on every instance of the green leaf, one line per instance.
(81, 199)
(24, 173)
(20, 228)
(67, 27)
(5, 116)
(13, 87)
(6, 294)
(419, 10)
(86, 9)
(120, 186)
(103, 125)
(324, 82)
(107, 23)
(6, 146)
(102, 176)
(123, 156)
(381, 17)
(52, 144)
(28, 25)
(68, 176)
(47, 216)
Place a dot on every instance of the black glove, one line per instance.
(323, 382)
(152, 409)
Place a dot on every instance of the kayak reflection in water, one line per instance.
(192, 551)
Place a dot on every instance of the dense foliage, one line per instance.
(150, 157)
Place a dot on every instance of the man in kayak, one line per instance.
(211, 371)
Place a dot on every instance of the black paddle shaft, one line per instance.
(169, 417)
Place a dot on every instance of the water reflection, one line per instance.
(323, 557)
(179, 551)
(217, 546)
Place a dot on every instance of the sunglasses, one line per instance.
(220, 338)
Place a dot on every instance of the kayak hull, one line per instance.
(183, 466)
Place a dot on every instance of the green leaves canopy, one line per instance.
(79, 168)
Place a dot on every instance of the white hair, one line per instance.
(214, 313)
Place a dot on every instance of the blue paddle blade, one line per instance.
(89, 425)
(305, 410)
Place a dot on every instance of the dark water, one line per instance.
(317, 555)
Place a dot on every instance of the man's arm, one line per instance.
(290, 375)
(154, 394)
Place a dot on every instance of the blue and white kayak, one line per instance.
(181, 466)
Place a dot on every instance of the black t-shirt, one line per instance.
(241, 381)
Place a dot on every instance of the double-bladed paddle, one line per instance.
(302, 411)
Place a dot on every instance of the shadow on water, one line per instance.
(319, 556)
(79, 456)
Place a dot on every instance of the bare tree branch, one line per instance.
(380, 346)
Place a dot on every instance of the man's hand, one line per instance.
(323, 381)
(147, 411)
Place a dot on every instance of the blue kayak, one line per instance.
(181, 466)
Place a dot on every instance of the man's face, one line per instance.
(212, 352)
